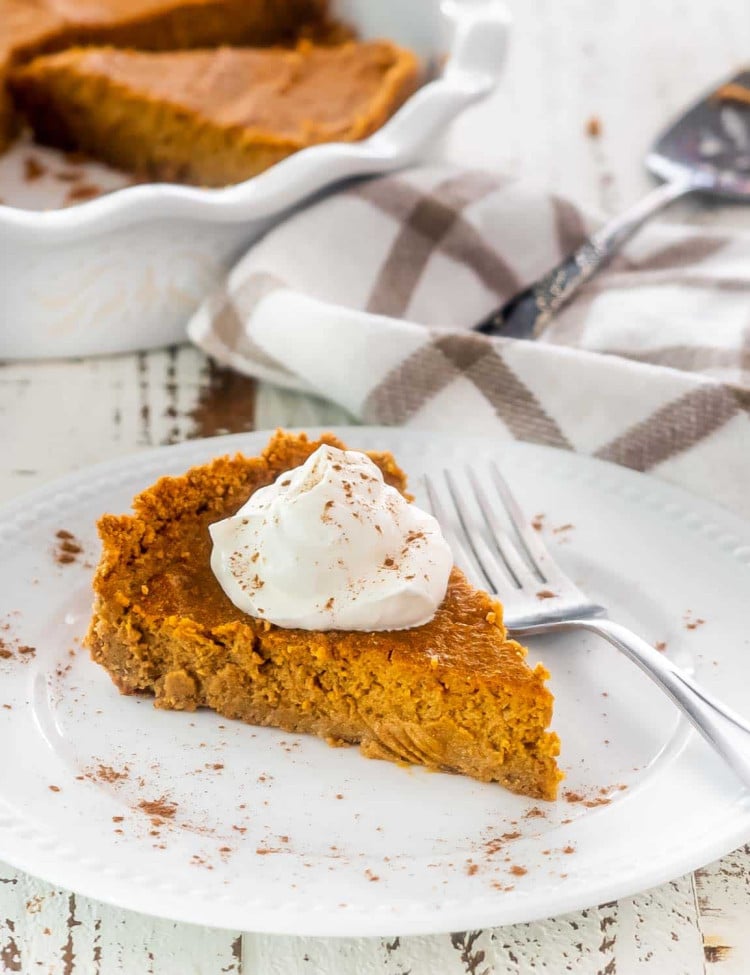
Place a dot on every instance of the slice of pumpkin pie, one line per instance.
(211, 117)
(300, 589)
(32, 27)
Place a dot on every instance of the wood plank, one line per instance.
(658, 931)
(723, 893)
(56, 932)
(87, 410)
(653, 932)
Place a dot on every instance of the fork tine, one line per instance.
(494, 568)
(524, 572)
(461, 556)
(529, 538)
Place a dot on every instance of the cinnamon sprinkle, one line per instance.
(535, 812)
(594, 127)
(82, 191)
(105, 773)
(33, 169)
(162, 807)
(67, 547)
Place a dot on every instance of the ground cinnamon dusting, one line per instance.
(10, 644)
(105, 773)
(54, 788)
(660, 645)
(82, 191)
(535, 812)
(67, 547)
(598, 801)
(158, 807)
(33, 169)
(570, 796)
(546, 594)
(518, 871)
(497, 843)
(594, 127)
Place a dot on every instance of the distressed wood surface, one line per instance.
(632, 67)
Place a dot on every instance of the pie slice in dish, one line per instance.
(453, 694)
(211, 117)
(31, 27)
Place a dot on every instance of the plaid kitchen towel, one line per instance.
(366, 298)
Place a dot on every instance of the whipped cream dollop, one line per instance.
(331, 546)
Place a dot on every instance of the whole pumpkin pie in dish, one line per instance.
(452, 693)
(211, 117)
(32, 27)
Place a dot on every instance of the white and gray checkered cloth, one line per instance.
(366, 298)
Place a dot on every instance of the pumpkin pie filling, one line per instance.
(32, 27)
(453, 694)
(211, 117)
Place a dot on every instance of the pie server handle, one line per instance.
(527, 314)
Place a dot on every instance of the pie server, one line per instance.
(707, 150)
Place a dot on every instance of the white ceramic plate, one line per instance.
(280, 833)
(125, 270)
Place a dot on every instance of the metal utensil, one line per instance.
(706, 150)
(538, 597)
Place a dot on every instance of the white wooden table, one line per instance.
(630, 64)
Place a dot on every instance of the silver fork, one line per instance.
(539, 598)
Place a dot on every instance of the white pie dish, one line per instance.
(125, 270)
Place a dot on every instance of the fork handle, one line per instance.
(527, 314)
(726, 731)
